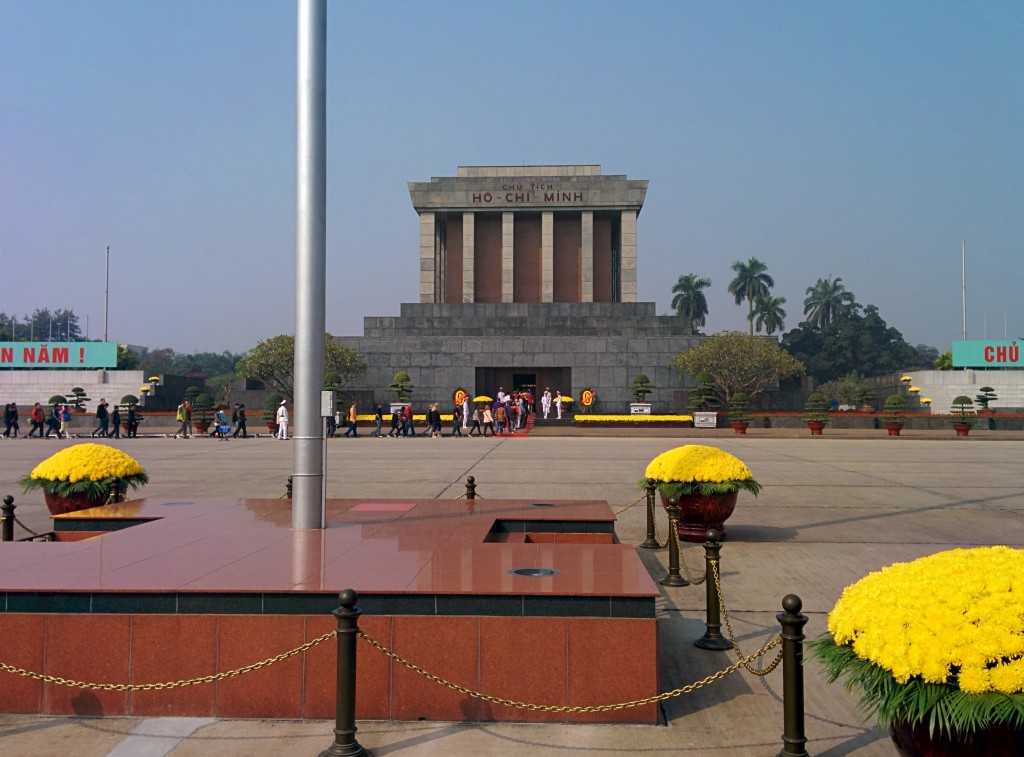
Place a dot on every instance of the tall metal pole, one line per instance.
(106, 295)
(963, 283)
(310, 262)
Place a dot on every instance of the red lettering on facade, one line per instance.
(28, 355)
(990, 354)
(59, 355)
(7, 355)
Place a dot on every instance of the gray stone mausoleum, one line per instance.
(528, 279)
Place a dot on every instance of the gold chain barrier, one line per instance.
(34, 533)
(742, 662)
(686, 568)
(166, 684)
(635, 501)
(732, 636)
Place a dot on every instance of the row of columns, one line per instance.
(433, 258)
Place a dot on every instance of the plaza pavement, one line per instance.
(833, 508)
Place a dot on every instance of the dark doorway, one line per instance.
(536, 380)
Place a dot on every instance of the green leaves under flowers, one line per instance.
(95, 489)
(942, 706)
(676, 489)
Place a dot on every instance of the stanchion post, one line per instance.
(713, 638)
(7, 518)
(115, 491)
(651, 542)
(470, 487)
(345, 744)
(792, 622)
(674, 578)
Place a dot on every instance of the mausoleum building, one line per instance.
(528, 279)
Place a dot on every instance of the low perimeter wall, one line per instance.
(529, 659)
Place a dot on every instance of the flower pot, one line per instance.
(699, 512)
(915, 741)
(272, 426)
(201, 427)
(962, 429)
(59, 504)
(815, 427)
(740, 427)
(893, 428)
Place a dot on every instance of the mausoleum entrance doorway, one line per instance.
(536, 380)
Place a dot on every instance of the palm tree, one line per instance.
(827, 302)
(689, 301)
(768, 313)
(751, 281)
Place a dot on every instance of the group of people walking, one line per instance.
(220, 427)
(53, 421)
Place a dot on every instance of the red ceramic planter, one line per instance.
(699, 512)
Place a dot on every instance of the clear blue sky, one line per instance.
(863, 140)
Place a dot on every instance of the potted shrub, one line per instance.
(865, 399)
(402, 386)
(703, 401)
(78, 398)
(816, 413)
(270, 405)
(739, 412)
(894, 414)
(988, 394)
(933, 648)
(962, 419)
(705, 481)
(202, 412)
(83, 476)
(640, 388)
(126, 401)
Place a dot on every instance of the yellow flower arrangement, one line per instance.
(634, 419)
(938, 640)
(699, 468)
(88, 468)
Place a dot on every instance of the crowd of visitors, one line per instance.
(506, 414)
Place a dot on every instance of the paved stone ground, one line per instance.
(833, 508)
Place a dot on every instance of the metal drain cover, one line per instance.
(544, 504)
(534, 572)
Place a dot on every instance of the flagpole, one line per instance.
(106, 295)
(963, 284)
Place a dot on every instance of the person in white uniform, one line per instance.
(282, 420)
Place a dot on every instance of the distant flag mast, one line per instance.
(963, 283)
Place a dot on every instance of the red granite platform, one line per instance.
(191, 587)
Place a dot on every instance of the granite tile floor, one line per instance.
(833, 509)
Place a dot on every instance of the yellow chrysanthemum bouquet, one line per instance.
(938, 641)
(699, 469)
(88, 469)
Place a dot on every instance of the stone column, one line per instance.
(547, 256)
(468, 254)
(587, 256)
(627, 266)
(507, 257)
(428, 272)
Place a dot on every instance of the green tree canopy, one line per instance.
(859, 342)
(828, 301)
(738, 362)
(689, 301)
(768, 313)
(751, 282)
(272, 361)
(43, 325)
(126, 359)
